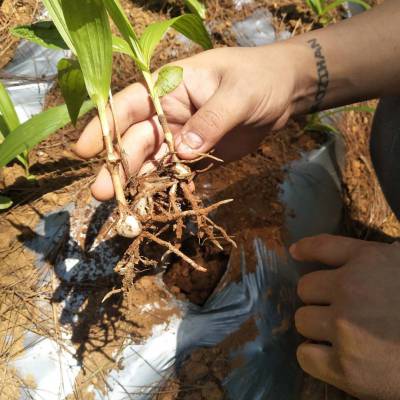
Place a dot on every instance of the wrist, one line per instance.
(310, 80)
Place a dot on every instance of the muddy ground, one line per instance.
(99, 331)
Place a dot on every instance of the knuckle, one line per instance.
(302, 286)
(210, 119)
(299, 318)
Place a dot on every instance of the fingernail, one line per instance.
(193, 140)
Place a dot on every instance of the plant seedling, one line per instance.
(323, 8)
(317, 122)
(24, 137)
(159, 202)
(9, 121)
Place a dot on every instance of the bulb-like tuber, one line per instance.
(129, 227)
(182, 171)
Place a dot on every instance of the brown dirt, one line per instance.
(368, 214)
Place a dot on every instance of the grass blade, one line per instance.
(38, 128)
(89, 27)
(189, 25)
(56, 13)
(72, 85)
(169, 78)
(196, 7)
(43, 33)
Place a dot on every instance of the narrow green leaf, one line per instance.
(120, 19)
(43, 33)
(321, 127)
(56, 13)
(89, 27)
(169, 78)
(38, 128)
(338, 3)
(189, 25)
(5, 202)
(315, 6)
(72, 85)
(7, 110)
(196, 7)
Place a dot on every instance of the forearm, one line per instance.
(355, 60)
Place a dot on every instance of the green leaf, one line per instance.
(315, 6)
(5, 203)
(56, 13)
(38, 128)
(169, 78)
(189, 25)
(338, 3)
(46, 34)
(43, 33)
(7, 110)
(121, 46)
(120, 19)
(72, 84)
(89, 27)
(196, 7)
(321, 127)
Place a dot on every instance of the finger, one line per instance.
(317, 287)
(132, 105)
(218, 116)
(331, 250)
(140, 142)
(320, 362)
(314, 323)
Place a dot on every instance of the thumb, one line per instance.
(218, 116)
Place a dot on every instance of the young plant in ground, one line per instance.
(9, 121)
(27, 135)
(9, 124)
(320, 122)
(324, 8)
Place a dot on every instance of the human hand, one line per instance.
(351, 315)
(230, 99)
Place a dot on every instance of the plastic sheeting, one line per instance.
(311, 193)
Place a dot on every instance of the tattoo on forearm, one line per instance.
(323, 74)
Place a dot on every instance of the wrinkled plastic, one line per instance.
(311, 192)
(29, 77)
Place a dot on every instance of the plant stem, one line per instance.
(112, 159)
(169, 137)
